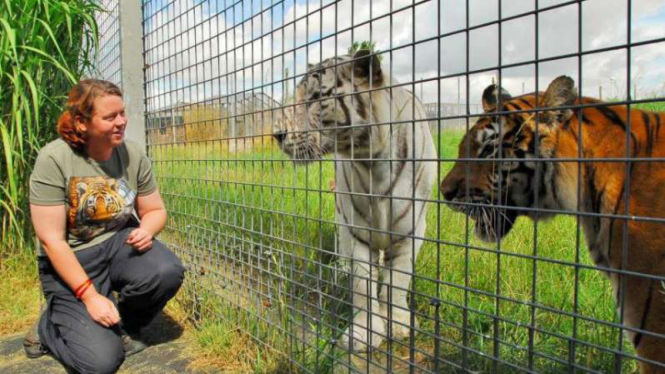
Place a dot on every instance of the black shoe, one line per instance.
(32, 344)
(131, 343)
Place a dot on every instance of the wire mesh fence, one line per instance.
(353, 186)
(107, 63)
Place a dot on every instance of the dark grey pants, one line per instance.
(144, 283)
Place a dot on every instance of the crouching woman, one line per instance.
(96, 208)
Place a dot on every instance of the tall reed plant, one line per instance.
(45, 46)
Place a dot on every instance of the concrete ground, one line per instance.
(168, 353)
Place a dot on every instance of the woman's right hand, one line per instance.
(101, 309)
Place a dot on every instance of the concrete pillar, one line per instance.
(131, 59)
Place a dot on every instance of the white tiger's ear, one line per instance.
(365, 63)
(561, 92)
(491, 97)
(310, 66)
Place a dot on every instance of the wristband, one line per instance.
(80, 290)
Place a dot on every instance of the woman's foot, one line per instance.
(32, 344)
(131, 343)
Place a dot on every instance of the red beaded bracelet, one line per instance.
(80, 290)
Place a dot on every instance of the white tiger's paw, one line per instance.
(361, 341)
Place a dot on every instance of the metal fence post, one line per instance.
(131, 55)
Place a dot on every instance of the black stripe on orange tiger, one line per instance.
(616, 211)
(585, 120)
(595, 196)
(645, 314)
(657, 116)
(512, 107)
(615, 119)
(526, 102)
(648, 129)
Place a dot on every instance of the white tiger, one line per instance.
(380, 180)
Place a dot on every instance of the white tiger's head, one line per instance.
(328, 114)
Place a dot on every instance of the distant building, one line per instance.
(450, 116)
(222, 117)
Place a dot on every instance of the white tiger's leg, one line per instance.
(397, 275)
(368, 327)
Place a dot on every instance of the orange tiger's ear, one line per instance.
(561, 92)
(491, 98)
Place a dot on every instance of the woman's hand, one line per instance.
(140, 239)
(152, 215)
(101, 309)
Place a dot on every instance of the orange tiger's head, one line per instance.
(100, 200)
(495, 174)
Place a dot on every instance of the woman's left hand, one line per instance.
(140, 239)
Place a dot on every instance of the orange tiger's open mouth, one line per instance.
(494, 224)
(491, 224)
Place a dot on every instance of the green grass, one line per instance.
(19, 303)
(658, 106)
(261, 226)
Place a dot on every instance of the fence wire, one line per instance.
(317, 225)
(107, 63)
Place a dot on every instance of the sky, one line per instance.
(195, 46)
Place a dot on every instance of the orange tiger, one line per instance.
(592, 133)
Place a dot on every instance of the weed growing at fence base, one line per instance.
(21, 296)
(262, 229)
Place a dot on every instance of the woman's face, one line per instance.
(108, 122)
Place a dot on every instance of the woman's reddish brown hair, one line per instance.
(81, 104)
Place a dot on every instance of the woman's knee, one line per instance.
(101, 358)
(171, 278)
(170, 273)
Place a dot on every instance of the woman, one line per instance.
(86, 191)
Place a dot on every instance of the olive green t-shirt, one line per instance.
(99, 197)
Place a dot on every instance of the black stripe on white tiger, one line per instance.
(379, 137)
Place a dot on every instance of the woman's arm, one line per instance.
(50, 226)
(152, 213)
